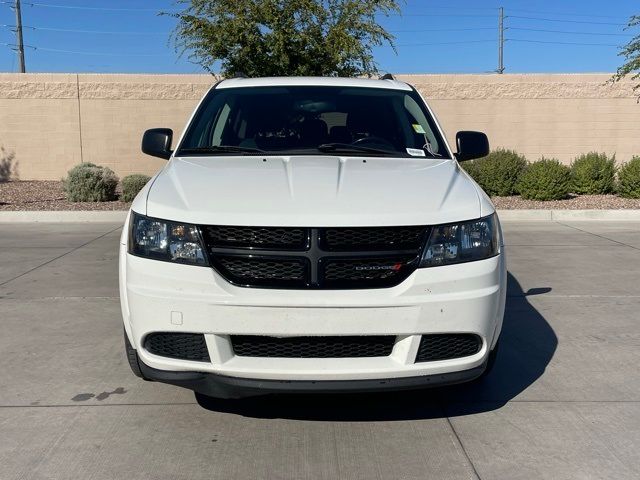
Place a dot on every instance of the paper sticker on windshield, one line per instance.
(418, 128)
(415, 152)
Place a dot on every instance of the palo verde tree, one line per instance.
(283, 37)
(631, 54)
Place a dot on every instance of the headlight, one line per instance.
(164, 240)
(461, 242)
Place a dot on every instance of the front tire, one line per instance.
(132, 357)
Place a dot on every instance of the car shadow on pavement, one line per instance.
(527, 345)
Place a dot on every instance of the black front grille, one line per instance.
(372, 272)
(312, 347)
(301, 257)
(372, 238)
(256, 237)
(185, 346)
(447, 346)
(259, 271)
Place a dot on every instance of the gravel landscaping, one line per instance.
(48, 195)
(574, 202)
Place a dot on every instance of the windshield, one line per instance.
(313, 120)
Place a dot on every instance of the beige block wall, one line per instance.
(112, 131)
(53, 121)
(558, 116)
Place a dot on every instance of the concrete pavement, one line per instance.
(562, 403)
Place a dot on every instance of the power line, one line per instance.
(472, 15)
(102, 54)
(443, 30)
(71, 30)
(458, 7)
(567, 21)
(561, 43)
(460, 42)
(571, 32)
(123, 9)
(537, 12)
(110, 32)
(80, 7)
(50, 29)
(14, 46)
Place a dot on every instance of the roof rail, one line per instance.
(240, 75)
(387, 76)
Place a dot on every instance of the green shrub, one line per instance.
(593, 174)
(87, 182)
(131, 185)
(498, 172)
(546, 179)
(471, 167)
(629, 179)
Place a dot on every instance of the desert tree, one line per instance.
(283, 37)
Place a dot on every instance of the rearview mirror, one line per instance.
(471, 145)
(157, 142)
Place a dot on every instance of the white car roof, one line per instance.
(313, 82)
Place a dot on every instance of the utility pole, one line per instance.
(501, 41)
(19, 36)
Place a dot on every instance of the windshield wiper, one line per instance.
(345, 147)
(221, 149)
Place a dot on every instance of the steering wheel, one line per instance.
(364, 141)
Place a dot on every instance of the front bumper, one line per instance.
(164, 297)
(221, 386)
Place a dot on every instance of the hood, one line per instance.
(312, 191)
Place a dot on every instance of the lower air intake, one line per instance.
(184, 346)
(312, 347)
(447, 346)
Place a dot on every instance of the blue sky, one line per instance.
(432, 36)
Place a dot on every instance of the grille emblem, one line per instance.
(369, 268)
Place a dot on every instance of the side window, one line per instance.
(420, 124)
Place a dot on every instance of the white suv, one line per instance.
(311, 234)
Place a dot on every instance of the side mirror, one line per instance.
(471, 145)
(157, 142)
